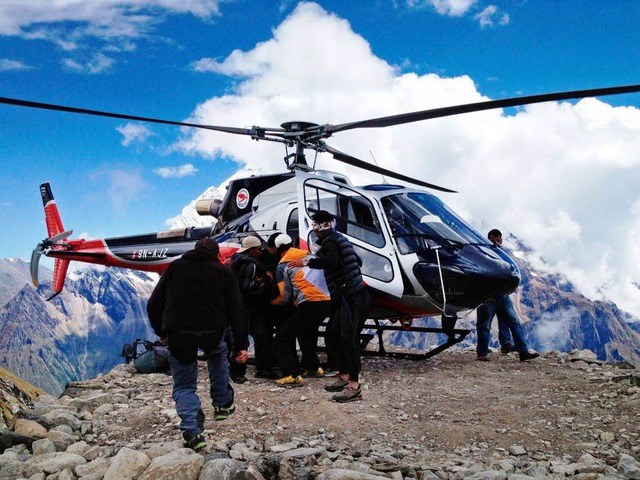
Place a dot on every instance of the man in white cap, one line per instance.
(308, 291)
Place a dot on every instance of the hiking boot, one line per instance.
(483, 358)
(348, 395)
(524, 356)
(319, 373)
(240, 379)
(290, 381)
(336, 386)
(222, 413)
(194, 442)
(508, 348)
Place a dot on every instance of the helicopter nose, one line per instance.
(468, 276)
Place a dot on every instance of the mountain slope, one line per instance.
(80, 333)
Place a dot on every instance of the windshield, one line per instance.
(415, 216)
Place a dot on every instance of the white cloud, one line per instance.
(490, 16)
(453, 8)
(553, 332)
(123, 186)
(561, 177)
(176, 172)
(94, 25)
(7, 64)
(97, 64)
(134, 132)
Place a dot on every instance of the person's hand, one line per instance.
(163, 341)
(242, 357)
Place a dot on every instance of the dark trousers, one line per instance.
(262, 327)
(348, 314)
(312, 314)
(285, 345)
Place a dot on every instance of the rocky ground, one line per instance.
(448, 417)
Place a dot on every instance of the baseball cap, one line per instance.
(283, 239)
(249, 243)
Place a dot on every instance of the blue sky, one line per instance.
(561, 177)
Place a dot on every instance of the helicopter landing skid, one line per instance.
(453, 336)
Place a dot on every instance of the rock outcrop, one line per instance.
(560, 416)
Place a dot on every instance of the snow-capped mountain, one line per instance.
(189, 217)
(80, 333)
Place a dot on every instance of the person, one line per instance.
(405, 237)
(194, 302)
(502, 308)
(309, 293)
(256, 285)
(349, 302)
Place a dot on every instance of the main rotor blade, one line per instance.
(356, 162)
(476, 107)
(98, 113)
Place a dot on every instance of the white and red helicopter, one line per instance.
(420, 259)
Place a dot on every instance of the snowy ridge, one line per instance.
(190, 218)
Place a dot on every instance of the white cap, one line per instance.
(282, 239)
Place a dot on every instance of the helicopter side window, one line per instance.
(354, 213)
(292, 229)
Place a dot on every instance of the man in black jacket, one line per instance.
(349, 302)
(257, 287)
(195, 301)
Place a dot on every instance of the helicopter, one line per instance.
(419, 258)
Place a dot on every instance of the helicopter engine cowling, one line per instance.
(208, 207)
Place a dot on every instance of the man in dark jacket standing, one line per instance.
(196, 299)
(349, 302)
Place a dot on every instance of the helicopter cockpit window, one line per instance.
(354, 213)
(420, 220)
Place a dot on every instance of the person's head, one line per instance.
(271, 243)
(208, 244)
(283, 242)
(251, 245)
(322, 222)
(396, 218)
(495, 236)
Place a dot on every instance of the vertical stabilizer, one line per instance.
(52, 217)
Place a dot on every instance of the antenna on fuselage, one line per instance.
(384, 180)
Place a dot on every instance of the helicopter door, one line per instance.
(358, 218)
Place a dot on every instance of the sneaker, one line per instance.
(194, 442)
(319, 373)
(524, 356)
(336, 386)
(240, 379)
(483, 358)
(222, 413)
(348, 395)
(508, 348)
(290, 381)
